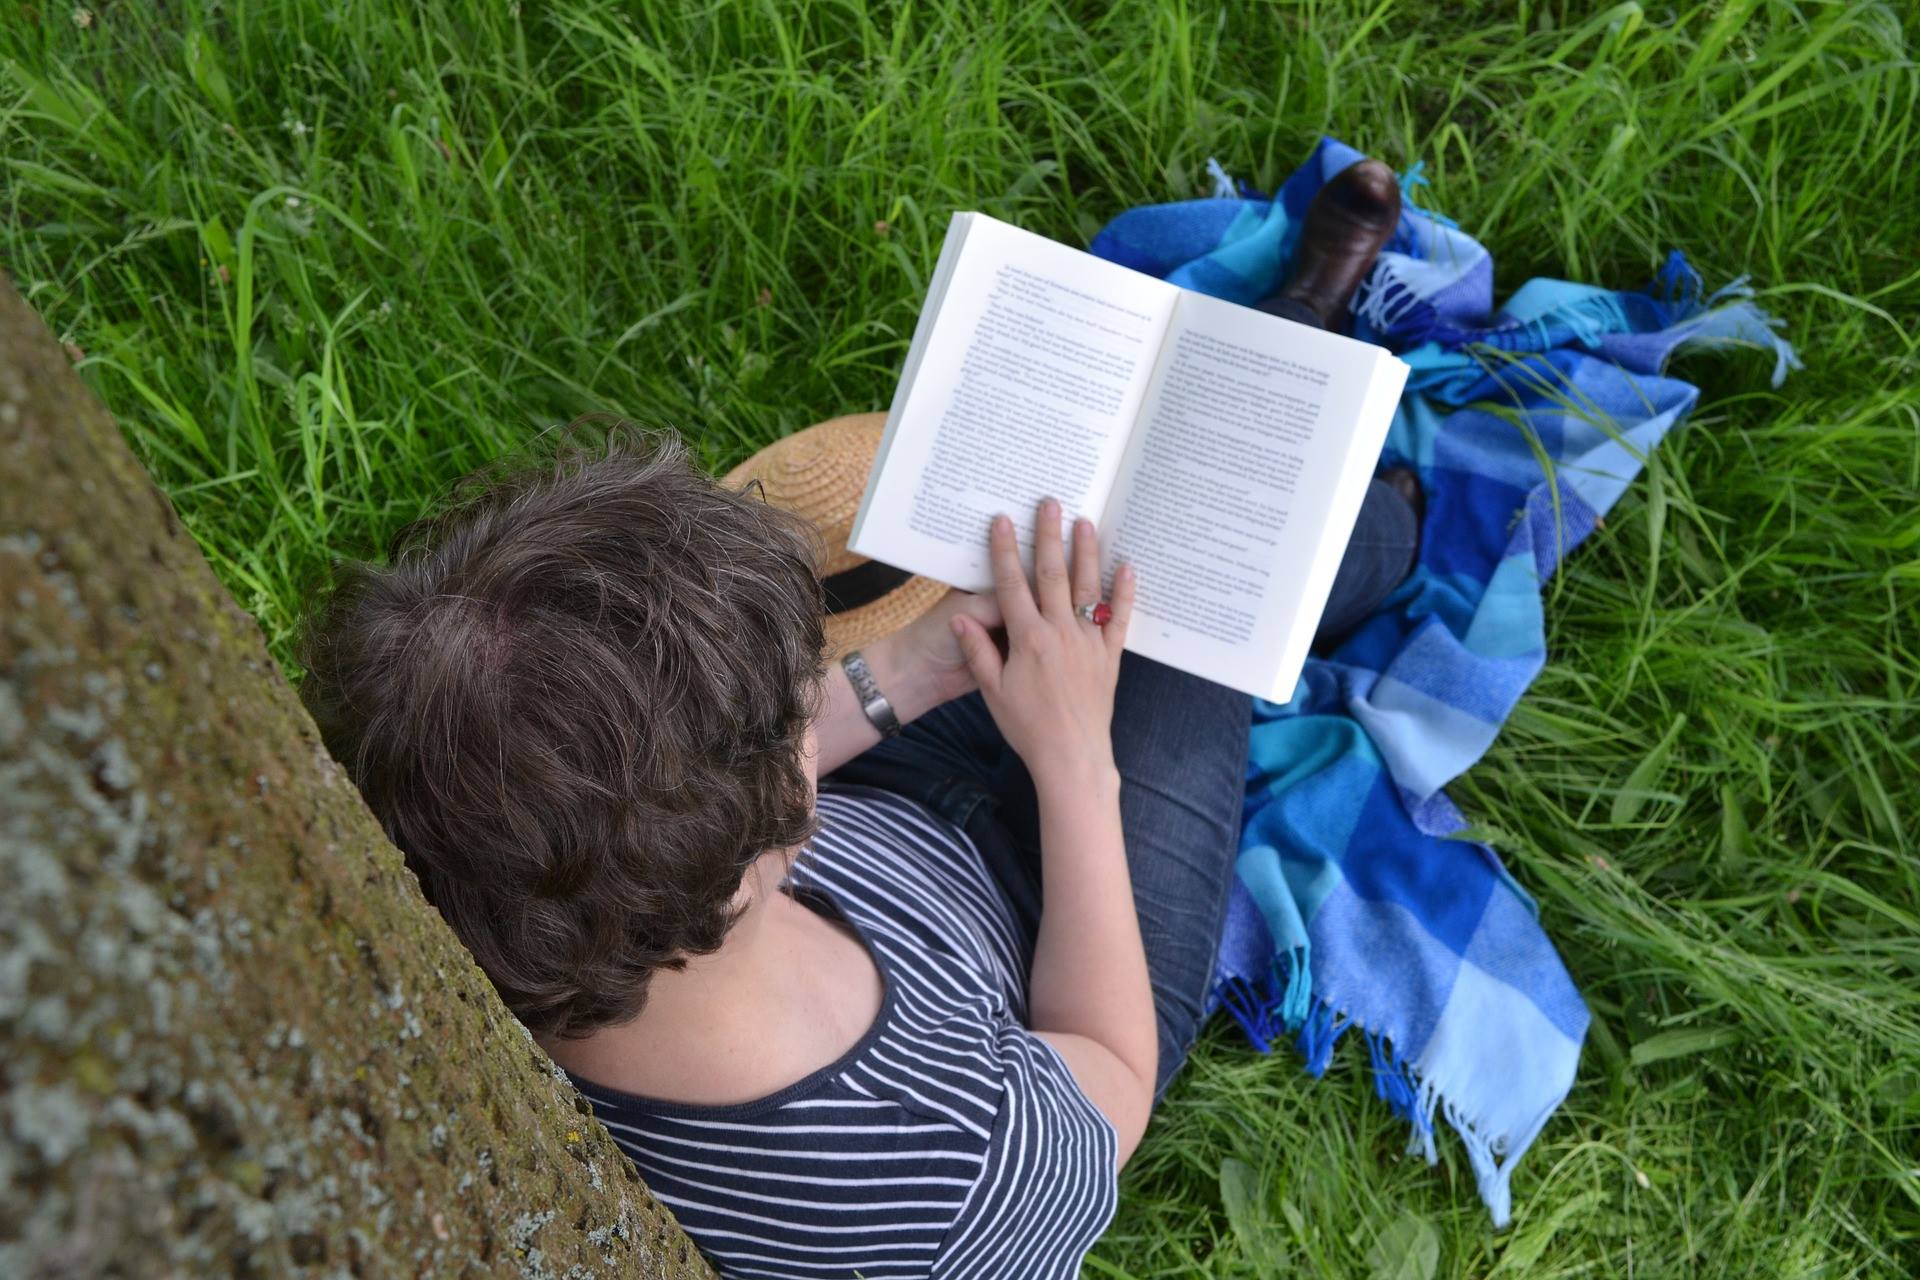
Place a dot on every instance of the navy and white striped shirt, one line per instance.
(950, 1141)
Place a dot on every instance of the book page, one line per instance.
(1026, 386)
(1240, 488)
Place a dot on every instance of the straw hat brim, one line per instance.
(820, 473)
(857, 628)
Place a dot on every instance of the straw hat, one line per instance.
(820, 473)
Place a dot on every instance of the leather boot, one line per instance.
(1349, 221)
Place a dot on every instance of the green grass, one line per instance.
(323, 258)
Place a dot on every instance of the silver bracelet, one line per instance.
(872, 701)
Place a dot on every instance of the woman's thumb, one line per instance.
(977, 647)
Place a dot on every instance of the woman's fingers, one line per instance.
(984, 610)
(1050, 563)
(981, 654)
(1009, 579)
(1122, 606)
(1086, 562)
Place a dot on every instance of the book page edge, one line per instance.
(1383, 394)
(950, 250)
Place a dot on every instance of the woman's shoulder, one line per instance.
(915, 885)
(936, 1149)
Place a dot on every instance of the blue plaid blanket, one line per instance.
(1358, 905)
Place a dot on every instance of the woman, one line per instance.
(907, 1022)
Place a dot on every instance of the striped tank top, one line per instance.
(949, 1142)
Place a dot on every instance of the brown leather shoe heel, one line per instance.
(1349, 221)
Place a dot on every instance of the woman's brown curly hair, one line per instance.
(577, 700)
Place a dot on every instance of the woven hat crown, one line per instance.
(821, 474)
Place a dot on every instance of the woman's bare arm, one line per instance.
(1088, 994)
(1052, 696)
(917, 668)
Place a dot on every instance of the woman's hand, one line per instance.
(917, 667)
(921, 665)
(1052, 694)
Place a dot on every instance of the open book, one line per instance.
(1222, 452)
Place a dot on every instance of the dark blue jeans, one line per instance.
(1181, 746)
